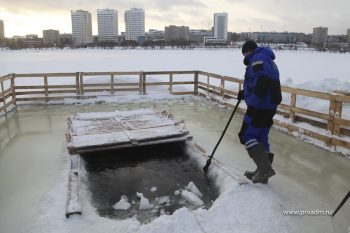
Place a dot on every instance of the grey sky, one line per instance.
(22, 16)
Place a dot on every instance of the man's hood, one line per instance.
(259, 50)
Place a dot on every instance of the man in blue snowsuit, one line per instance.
(262, 94)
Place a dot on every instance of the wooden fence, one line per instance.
(218, 87)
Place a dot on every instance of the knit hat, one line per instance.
(249, 46)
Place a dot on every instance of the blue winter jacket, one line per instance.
(262, 89)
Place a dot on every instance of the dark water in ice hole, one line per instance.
(127, 171)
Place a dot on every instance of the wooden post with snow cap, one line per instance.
(170, 83)
(13, 87)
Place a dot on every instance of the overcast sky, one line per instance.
(23, 17)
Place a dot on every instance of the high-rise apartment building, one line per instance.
(134, 24)
(176, 33)
(220, 29)
(107, 20)
(81, 27)
(220, 26)
(319, 36)
(51, 37)
(2, 31)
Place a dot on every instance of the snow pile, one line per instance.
(123, 204)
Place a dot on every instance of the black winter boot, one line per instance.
(264, 169)
(250, 174)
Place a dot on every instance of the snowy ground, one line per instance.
(309, 178)
(303, 69)
(33, 200)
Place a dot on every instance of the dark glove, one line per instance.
(240, 95)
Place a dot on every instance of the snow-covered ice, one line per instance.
(43, 201)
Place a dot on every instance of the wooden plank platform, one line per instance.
(73, 204)
(96, 131)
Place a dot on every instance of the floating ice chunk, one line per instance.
(193, 188)
(191, 198)
(163, 200)
(177, 193)
(123, 204)
(144, 202)
(139, 195)
(153, 189)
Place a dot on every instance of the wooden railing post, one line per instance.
(222, 88)
(170, 83)
(77, 86)
(112, 84)
(293, 101)
(46, 89)
(13, 87)
(144, 83)
(196, 82)
(208, 85)
(81, 83)
(3, 96)
(335, 111)
(141, 84)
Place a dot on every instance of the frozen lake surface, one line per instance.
(33, 176)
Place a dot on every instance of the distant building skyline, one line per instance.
(134, 24)
(81, 27)
(107, 20)
(2, 31)
(319, 36)
(173, 32)
(51, 37)
(220, 26)
(23, 17)
(219, 29)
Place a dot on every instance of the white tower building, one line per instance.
(81, 27)
(107, 20)
(134, 24)
(2, 33)
(220, 26)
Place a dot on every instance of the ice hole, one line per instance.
(164, 175)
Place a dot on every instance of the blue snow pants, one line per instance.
(256, 127)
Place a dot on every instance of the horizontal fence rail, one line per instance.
(80, 85)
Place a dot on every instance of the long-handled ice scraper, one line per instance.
(341, 203)
(205, 168)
